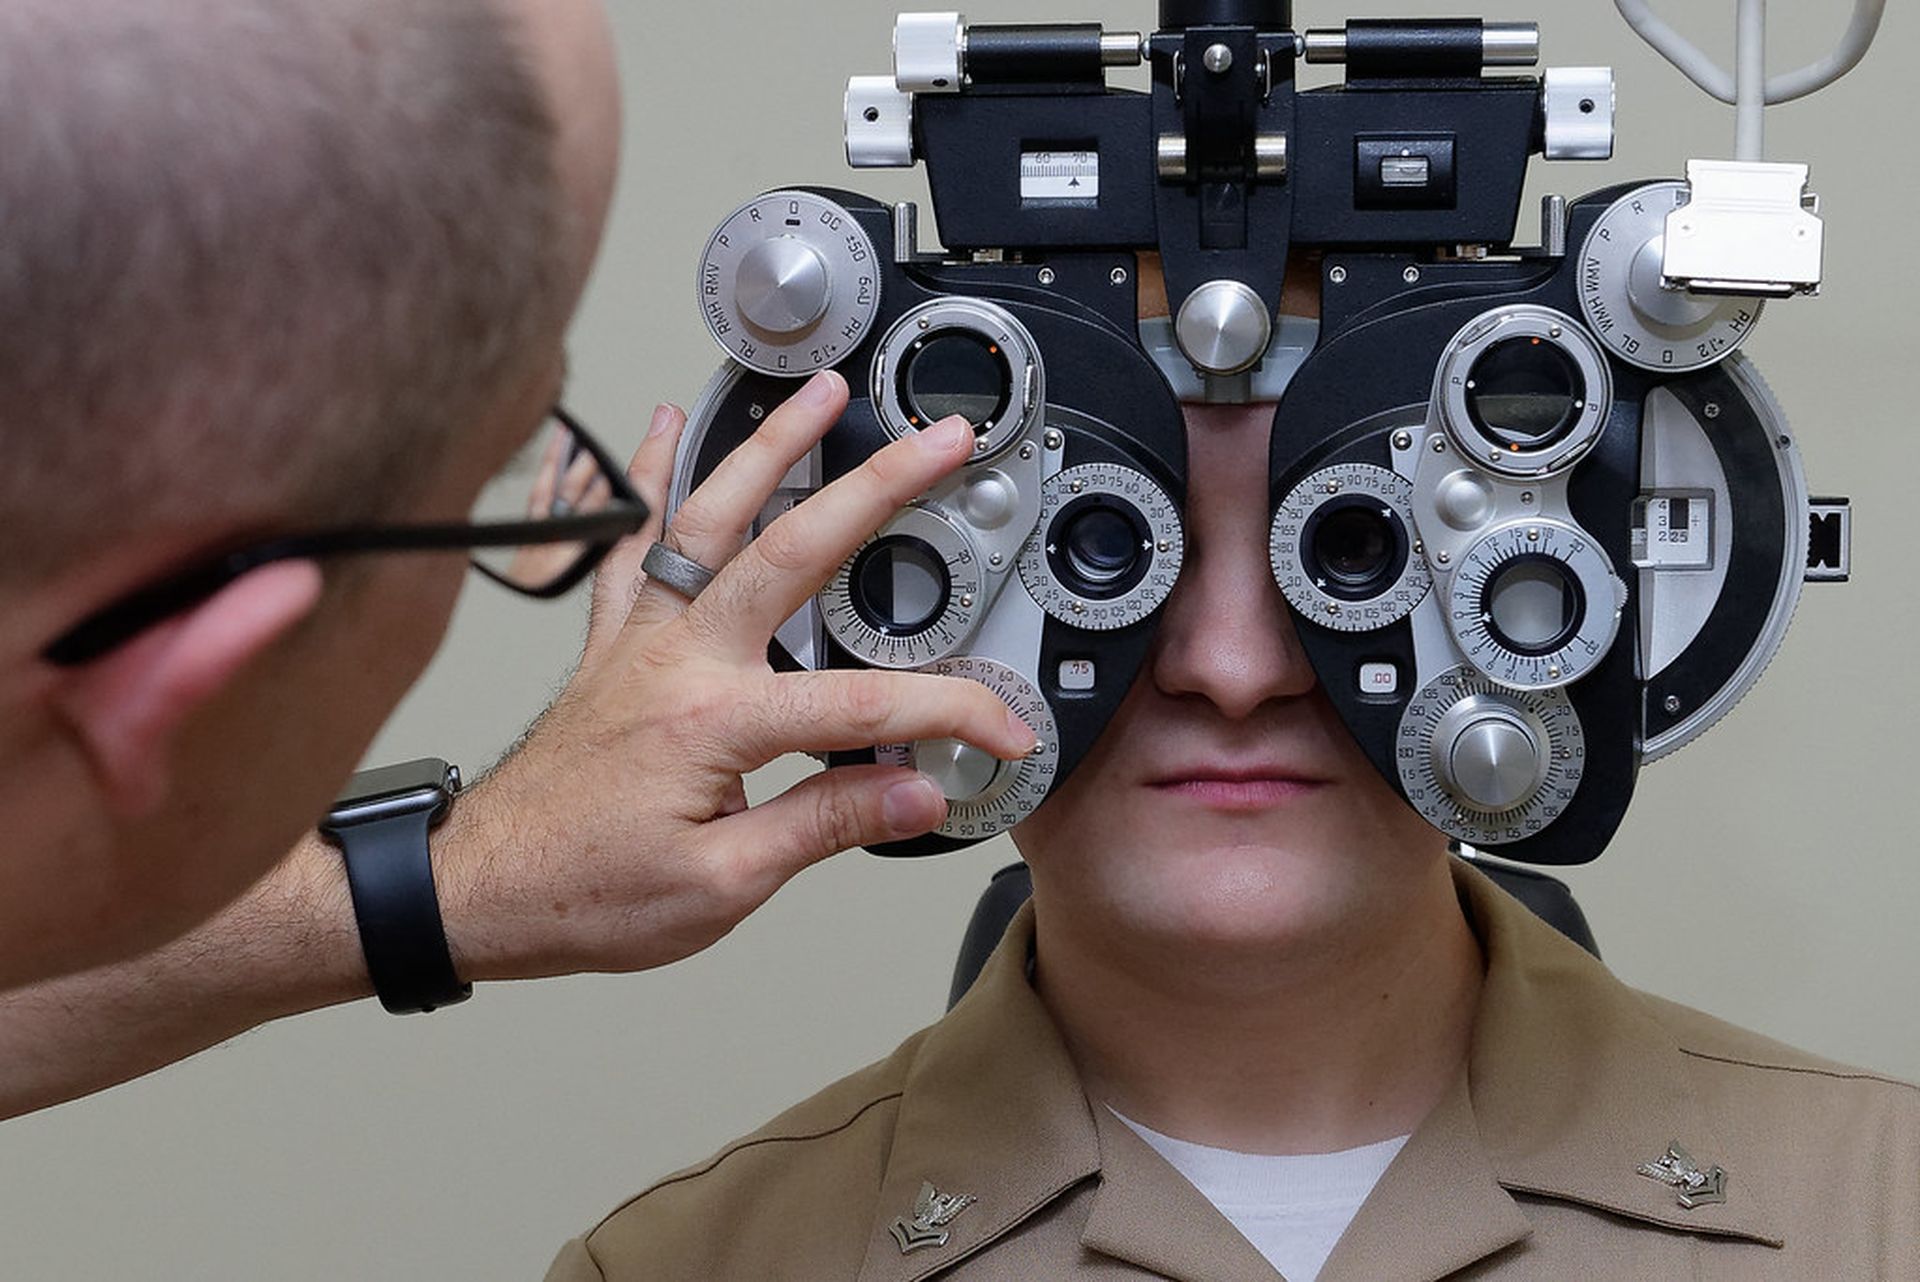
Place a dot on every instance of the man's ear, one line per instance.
(126, 707)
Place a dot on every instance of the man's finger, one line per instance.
(716, 518)
(841, 711)
(621, 576)
(541, 497)
(573, 487)
(823, 815)
(776, 573)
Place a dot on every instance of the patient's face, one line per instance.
(1226, 803)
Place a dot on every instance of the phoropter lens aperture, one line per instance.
(1534, 605)
(1525, 394)
(1354, 548)
(1101, 546)
(900, 585)
(1098, 547)
(955, 371)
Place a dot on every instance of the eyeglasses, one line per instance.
(538, 535)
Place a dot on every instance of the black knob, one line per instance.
(1265, 15)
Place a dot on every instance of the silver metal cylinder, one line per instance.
(929, 52)
(1580, 105)
(1170, 154)
(1327, 46)
(1553, 225)
(1270, 156)
(1510, 44)
(879, 124)
(1122, 49)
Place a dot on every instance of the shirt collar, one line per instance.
(1571, 1086)
(992, 1109)
(1574, 1084)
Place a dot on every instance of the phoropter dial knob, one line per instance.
(789, 284)
(1343, 549)
(1488, 764)
(1491, 763)
(783, 286)
(1535, 604)
(1628, 307)
(985, 795)
(912, 594)
(1107, 549)
(1224, 327)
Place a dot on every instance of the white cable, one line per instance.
(1813, 78)
(1750, 84)
(1788, 86)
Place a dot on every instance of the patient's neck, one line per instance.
(1343, 1037)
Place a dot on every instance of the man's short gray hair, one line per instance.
(260, 260)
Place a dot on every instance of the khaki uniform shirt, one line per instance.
(1527, 1169)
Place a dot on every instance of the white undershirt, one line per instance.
(1293, 1209)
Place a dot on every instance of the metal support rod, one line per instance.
(1122, 49)
(1750, 83)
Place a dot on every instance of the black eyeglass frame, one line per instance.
(112, 626)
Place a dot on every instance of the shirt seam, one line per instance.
(713, 1163)
(1805, 1070)
(1646, 1219)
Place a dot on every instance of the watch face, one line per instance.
(392, 782)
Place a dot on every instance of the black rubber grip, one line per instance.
(1025, 54)
(1419, 48)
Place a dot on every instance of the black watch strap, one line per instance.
(390, 875)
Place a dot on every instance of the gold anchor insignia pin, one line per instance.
(932, 1212)
(1694, 1186)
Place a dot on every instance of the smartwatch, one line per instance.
(381, 824)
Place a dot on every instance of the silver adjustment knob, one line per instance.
(1579, 105)
(986, 796)
(929, 52)
(1632, 313)
(789, 284)
(783, 286)
(1465, 500)
(1661, 304)
(1493, 764)
(1488, 764)
(962, 771)
(1224, 328)
(879, 124)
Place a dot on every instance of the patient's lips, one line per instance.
(1240, 786)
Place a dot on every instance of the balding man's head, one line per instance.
(257, 257)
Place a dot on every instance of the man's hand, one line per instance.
(618, 837)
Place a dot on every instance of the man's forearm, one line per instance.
(288, 945)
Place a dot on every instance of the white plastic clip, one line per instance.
(1749, 228)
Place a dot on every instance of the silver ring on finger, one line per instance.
(676, 570)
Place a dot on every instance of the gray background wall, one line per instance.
(1767, 874)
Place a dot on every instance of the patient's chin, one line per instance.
(1200, 901)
